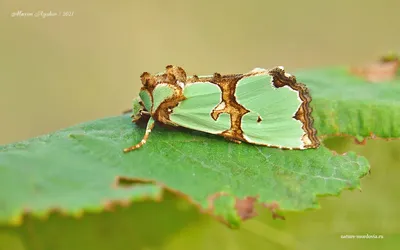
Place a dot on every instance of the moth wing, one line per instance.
(160, 93)
(271, 119)
(195, 111)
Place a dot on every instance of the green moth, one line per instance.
(262, 107)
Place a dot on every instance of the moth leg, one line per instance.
(136, 117)
(149, 127)
(143, 112)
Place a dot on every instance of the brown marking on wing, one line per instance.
(177, 72)
(194, 78)
(148, 81)
(303, 114)
(172, 75)
(227, 84)
(235, 110)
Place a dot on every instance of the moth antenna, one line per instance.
(149, 127)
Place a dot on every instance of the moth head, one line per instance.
(137, 105)
(137, 111)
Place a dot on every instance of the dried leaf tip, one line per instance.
(383, 70)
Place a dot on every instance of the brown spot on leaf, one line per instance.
(273, 207)
(124, 182)
(111, 205)
(363, 142)
(245, 207)
(384, 70)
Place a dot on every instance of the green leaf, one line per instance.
(347, 104)
(83, 168)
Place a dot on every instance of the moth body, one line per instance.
(262, 107)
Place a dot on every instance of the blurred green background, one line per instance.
(59, 71)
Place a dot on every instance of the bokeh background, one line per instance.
(59, 71)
